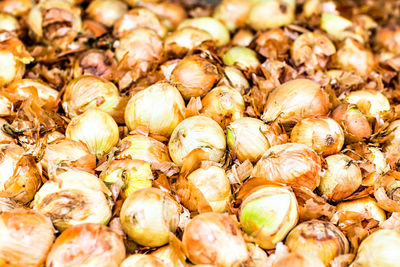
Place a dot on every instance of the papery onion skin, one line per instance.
(298, 259)
(106, 11)
(6, 106)
(194, 76)
(243, 57)
(319, 238)
(268, 213)
(87, 244)
(96, 128)
(232, 13)
(171, 14)
(295, 100)
(322, 134)
(20, 177)
(381, 248)
(388, 38)
(148, 216)
(15, 7)
(8, 23)
(171, 255)
(159, 108)
(367, 206)
(292, 164)
(243, 38)
(197, 132)
(141, 260)
(26, 237)
(258, 255)
(335, 25)
(75, 197)
(341, 179)
(213, 238)
(271, 14)
(94, 62)
(372, 103)
(11, 68)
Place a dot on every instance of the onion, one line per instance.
(366, 206)
(95, 62)
(171, 14)
(243, 57)
(181, 41)
(87, 244)
(106, 11)
(295, 100)
(74, 197)
(171, 255)
(258, 256)
(267, 14)
(15, 7)
(233, 13)
(234, 78)
(388, 38)
(8, 23)
(19, 177)
(6, 106)
(197, 132)
(243, 38)
(12, 68)
(194, 76)
(167, 111)
(298, 259)
(322, 134)
(292, 164)
(25, 238)
(149, 215)
(391, 145)
(335, 25)
(5, 138)
(96, 129)
(319, 238)
(214, 238)
(141, 260)
(371, 103)
(268, 213)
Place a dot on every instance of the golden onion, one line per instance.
(106, 11)
(298, 259)
(233, 13)
(258, 257)
(141, 260)
(15, 7)
(243, 38)
(6, 106)
(335, 25)
(95, 62)
(371, 103)
(171, 14)
(5, 138)
(11, 67)
(8, 23)
(242, 57)
(366, 206)
(171, 255)
(181, 41)
(234, 78)
(265, 14)
(198, 132)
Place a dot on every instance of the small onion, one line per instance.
(214, 238)
(181, 41)
(371, 103)
(389, 38)
(106, 11)
(74, 197)
(295, 100)
(25, 238)
(214, 185)
(265, 14)
(96, 129)
(171, 255)
(171, 14)
(5, 138)
(95, 62)
(268, 213)
(233, 13)
(15, 7)
(141, 260)
(6, 106)
(8, 23)
(194, 76)
(213, 26)
(223, 104)
(341, 178)
(87, 244)
(19, 177)
(381, 248)
(159, 108)
(243, 57)
(243, 38)
(149, 215)
(258, 256)
(292, 164)
(234, 78)
(391, 145)
(335, 25)
(298, 259)
(322, 134)
(366, 206)
(7, 204)
(319, 238)
(11, 67)
(197, 132)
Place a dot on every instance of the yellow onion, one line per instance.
(7, 204)
(67, 153)
(341, 178)
(56, 22)
(54, 136)
(233, 13)
(258, 257)
(366, 206)
(243, 57)
(265, 14)
(298, 259)
(391, 145)
(355, 124)
(171, 255)
(322, 134)
(351, 55)
(20, 177)
(223, 104)
(379, 249)
(268, 213)
(371, 103)
(143, 148)
(72, 198)
(388, 38)
(138, 18)
(218, 31)
(214, 185)
(322, 239)
(15, 7)
(106, 11)
(337, 26)
(295, 100)
(243, 38)
(5, 138)
(131, 174)
(8, 23)
(149, 215)
(234, 78)
(171, 14)
(167, 109)
(214, 238)
(96, 129)
(380, 164)
(95, 62)
(181, 41)
(197, 132)
(194, 76)
(6, 106)
(25, 238)
(141, 260)
(87, 244)
(292, 164)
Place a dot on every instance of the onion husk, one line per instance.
(366, 206)
(95, 62)
(106, 11)
(141, 260)
(171, 14)
(298, 259)
(16, 7)
(242, 57)
(370, 102)
(181, 41)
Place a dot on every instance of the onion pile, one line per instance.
(177, 133)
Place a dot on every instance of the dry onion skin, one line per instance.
(366, 206)
(141, 260)
(87, 244)
(106, 11)
(26, 237)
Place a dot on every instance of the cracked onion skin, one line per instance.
(88, 244)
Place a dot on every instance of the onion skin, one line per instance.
(87, 244)
(95, 62)
(213, 238)
(26, 237)
(319, 238)
(106, 11)
(372, 103)
(141, 260)
(232, 13)
(292, 164)
(367, 206)
(5, 138)
(15, 7)
(298, 259)
(271, 14)
(181, 41)
(171, 14)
